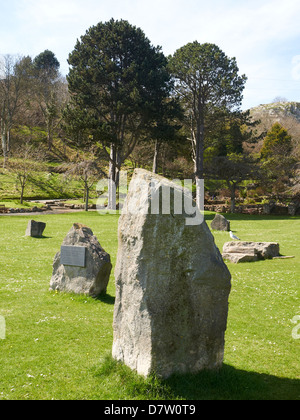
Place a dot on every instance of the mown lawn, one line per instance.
(58, 346)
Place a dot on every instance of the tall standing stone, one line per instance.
(172, 288)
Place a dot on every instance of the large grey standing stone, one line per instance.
(35, 229)
(220, 223)
(172, 289)
(81, 272)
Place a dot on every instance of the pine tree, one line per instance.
(118, 82)
(207, 81)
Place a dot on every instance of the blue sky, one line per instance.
(263, 35)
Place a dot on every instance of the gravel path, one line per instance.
(39, 213)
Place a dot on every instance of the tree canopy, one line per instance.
(47, 63)
(119, 79)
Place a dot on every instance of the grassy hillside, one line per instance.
(40, 185)
(58, 345)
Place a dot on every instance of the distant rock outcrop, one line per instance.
(277, 110)
(285, 113)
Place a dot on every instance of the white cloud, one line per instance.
(43, 12)
(296, 67)
(172, 23)
(262, 34)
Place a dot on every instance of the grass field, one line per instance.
(57, 346)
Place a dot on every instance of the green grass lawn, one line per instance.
(58, 345)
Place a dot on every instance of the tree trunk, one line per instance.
(4, 141)
(22, 193)
(8, 141)
(49, 133)
(232, 198)
(199, 150)
(86, 198)
(3, 138)
(112, 179)
(155, 158)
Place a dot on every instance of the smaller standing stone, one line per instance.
(82, 266)
(220, 223)
(35, 229)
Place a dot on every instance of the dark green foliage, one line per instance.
(207, 76)
(46, 62)
(118, 80)
(277, 141)
(277, 162)
(230, 131)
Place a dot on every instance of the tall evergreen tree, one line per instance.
(207, 81)
(118, 82)
(46, 71)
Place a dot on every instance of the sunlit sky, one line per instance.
(263, 35)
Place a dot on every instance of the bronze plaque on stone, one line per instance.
(73, 255)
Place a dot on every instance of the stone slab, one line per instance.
(264, 250)
(239, 258)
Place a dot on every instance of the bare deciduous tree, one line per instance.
(27, 160)
(88, 171)
(13, 88)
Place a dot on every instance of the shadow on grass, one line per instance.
(234, 384)
(106, 298)
(42, 237)
(227, 384)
